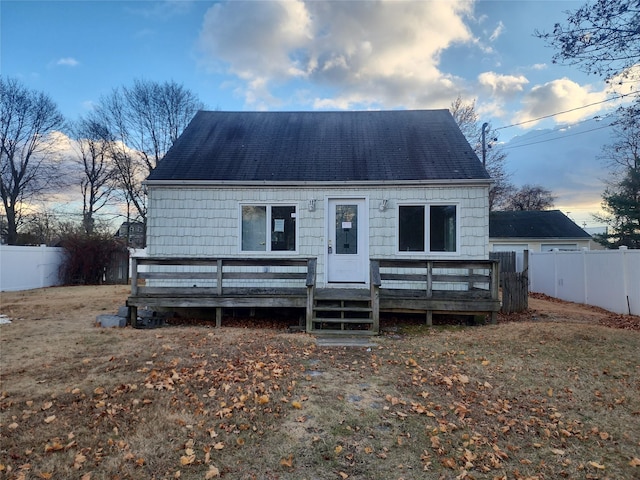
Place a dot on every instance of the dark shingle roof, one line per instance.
(534, 224)
(321, 146)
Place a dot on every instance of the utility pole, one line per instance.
(484, 144)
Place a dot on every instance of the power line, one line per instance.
(568, 111)
(506, 147)
(544, 133)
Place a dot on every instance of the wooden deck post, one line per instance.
(219, 291)
(375, 283)
(311, 290)
(132, 316)
(429, 279)
(134, 276)
(495, 288)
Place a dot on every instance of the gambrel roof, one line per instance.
(534, 224)
(403, 145)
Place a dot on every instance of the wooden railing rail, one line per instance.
(251, 278)
(442, 282)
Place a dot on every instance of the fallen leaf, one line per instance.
(448, 462)
(287, 462)
(45, 475)
(343, 475)
(50, 419)
(78, 461)
(338, 449)
(263, 399)
(47, 405)
(557, 451)
(212, 472)
(635, 462)
(218, 446)
(187, 459)
(296, 404)
(596, 465)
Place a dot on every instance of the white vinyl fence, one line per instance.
(25, 268)
(605, 278)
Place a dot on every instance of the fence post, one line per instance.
(623, 252)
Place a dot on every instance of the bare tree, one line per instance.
(529, 197)
(601, 37)
(495, 158)
(142, 123)
(28, 164)
(98, 171)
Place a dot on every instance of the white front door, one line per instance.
(348, 241)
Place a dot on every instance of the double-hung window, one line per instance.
(268, 228)
(428, 228)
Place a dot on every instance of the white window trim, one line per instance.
(268, 251)
(427, 239)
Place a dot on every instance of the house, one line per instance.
(536, 231)
(133, 233)
(341, 188)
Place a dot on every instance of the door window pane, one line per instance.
(283, 228)
(346, 229)
(411, 228)
(442, 228)
(254, 228)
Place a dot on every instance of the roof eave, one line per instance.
(295, 183)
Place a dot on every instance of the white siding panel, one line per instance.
(205, 221)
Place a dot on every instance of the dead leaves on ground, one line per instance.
(223, 403)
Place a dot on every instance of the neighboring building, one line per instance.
(536, 231)
(133, 232)
(343, 187)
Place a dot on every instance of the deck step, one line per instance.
(342, 333)
(342, 309)
(367, 321)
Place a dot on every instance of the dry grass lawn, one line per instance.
(553, 397)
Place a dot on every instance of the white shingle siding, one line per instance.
(204, 221)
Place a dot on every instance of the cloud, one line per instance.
(363, 53)
(497, 32)
(561, 95)
(67, 62)
(165, 9)
(502, 85)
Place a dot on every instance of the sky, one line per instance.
(334, 55)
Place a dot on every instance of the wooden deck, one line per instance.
(426, 286)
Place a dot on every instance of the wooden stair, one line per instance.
(343, 312)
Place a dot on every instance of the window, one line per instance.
(281, 232)
(442, 228)
(441, 234)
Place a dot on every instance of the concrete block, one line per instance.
(109, 321)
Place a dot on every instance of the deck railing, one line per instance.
(222, 282)
(452, 286)
(430, 286)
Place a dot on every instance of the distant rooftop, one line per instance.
(534, 224)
